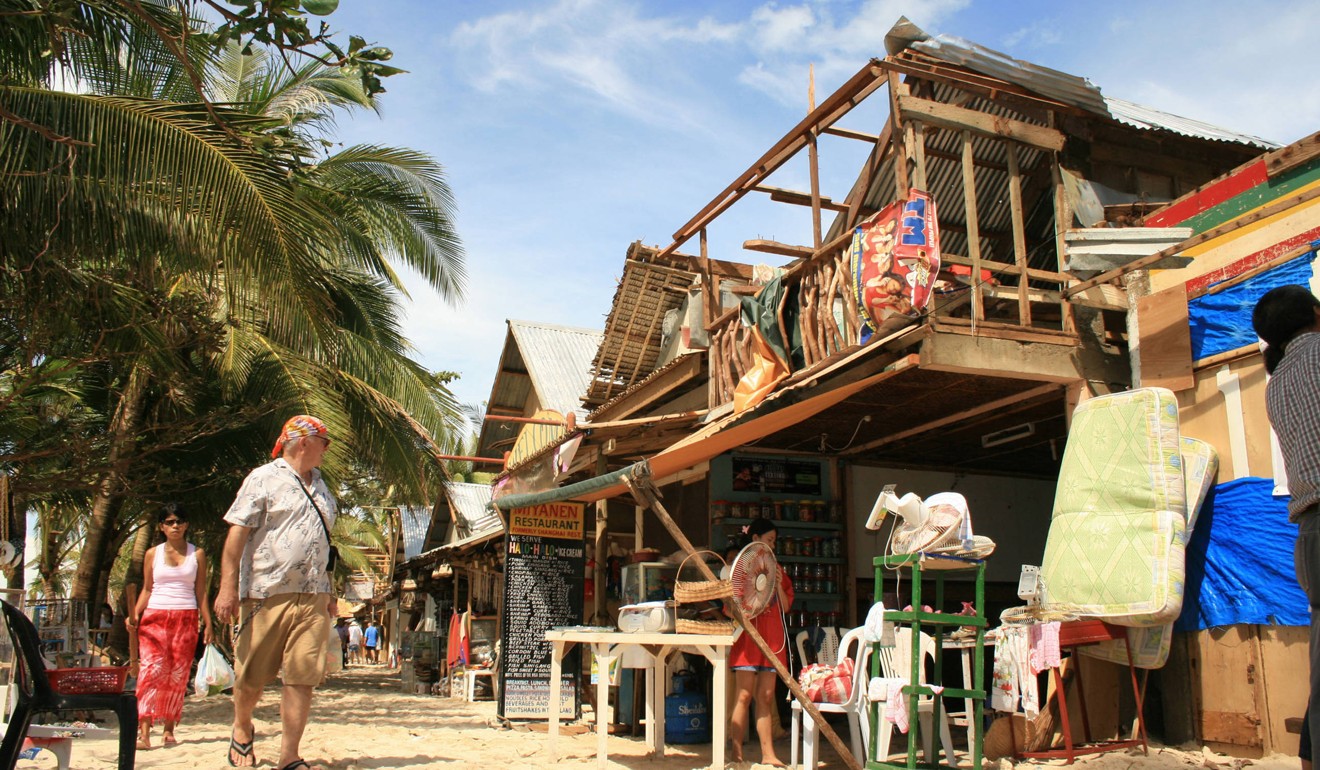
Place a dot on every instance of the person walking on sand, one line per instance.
(166, 619)
(1287, 320)
(354, 642)
(275, 581)
(371, 641)
(754, 675)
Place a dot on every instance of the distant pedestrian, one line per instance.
(371, 640)
(354, 642)
(341, 628)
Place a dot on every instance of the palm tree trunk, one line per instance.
(119, 633)
(108, 499)
(14, 510)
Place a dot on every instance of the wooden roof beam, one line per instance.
(838, 104)
(924, 67)
(940, 114)
(780, 249)
(781, 195)
(848, 133)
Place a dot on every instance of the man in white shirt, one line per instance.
(275, 579)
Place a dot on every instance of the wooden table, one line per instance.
(607, 646)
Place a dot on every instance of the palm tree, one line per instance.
(266, 274)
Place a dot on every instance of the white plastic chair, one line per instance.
(896, 663)
(829, 646)
(859, 729)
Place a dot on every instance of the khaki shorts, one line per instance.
(288, 631)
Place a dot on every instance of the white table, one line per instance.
(606, 646)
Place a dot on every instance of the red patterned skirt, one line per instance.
(167, 641)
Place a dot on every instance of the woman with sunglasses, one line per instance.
(166, 619)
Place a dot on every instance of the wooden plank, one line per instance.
(1252, 273)
(949, 116)
(782, 249)
(1196, 240)
(654, 389)
(813, 161)
(797, 198)
(1019, 233)
(1298, 153)
(848, 133)
(918, 143)
(1230, 710)
(966, 414)
(840, 103)
(1283, 652)
(972, 83)
(720, 268)
(1164, 347)
(1063, 218)
(973, 223)
(896, 137)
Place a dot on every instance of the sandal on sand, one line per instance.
(169, 740)
(297, 764)
(243, 749)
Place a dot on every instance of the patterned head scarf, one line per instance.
(300, 426)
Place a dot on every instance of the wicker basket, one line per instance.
(692, 591)
(716, 627)
(87, 681)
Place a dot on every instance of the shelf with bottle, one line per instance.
(788, 511)
(784, 523)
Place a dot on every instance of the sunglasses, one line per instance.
(174, 523)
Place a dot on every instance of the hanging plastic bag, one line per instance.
(334, 651)
(214, 674)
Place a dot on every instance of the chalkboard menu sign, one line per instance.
(545, 560)
(773, 474)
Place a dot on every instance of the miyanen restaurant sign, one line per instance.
(562, 521)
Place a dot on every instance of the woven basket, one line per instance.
(87, 681)
(692, 591)
(719, 627)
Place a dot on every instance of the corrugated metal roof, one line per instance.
(1069, 89)
(1140, 116)
(473, 515)
(558, 360)
(416, 522)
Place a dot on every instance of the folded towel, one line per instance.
(877, 629)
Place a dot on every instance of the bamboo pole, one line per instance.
(644, 492)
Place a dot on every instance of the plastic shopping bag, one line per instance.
(214, 674)
(334, 651)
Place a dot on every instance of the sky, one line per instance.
(570, 128)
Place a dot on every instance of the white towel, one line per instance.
(878, 630)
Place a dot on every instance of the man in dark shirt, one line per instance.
(1287, 319)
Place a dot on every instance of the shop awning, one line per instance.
(784, 408)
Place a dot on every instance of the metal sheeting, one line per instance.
(1065, 88)
(416, 522)
(1140, 116)
(474, 518)
(558, 361)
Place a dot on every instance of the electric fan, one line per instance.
(939, 524)
(755, 577)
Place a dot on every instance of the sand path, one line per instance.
(362, 720)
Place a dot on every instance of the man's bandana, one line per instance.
(299, 427)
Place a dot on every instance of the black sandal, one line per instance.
(295, 764)
(243, 749)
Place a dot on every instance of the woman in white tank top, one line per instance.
(166, 616)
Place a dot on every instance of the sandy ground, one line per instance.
(361, 719)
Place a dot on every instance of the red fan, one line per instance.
(755, 577)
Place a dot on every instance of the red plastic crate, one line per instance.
(86, 681)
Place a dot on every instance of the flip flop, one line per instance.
(296, 765)
(243, 749)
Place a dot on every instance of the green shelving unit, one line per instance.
(915, 567)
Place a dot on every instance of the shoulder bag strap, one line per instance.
(319, 516)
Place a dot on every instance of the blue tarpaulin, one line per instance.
(1222, 321)
(1240, 560)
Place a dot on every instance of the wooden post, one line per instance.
(1019, 234)
(901, 184)
(813, 159)
(973, 225)
(918, 143)
(1062, 222)
(602, 546)
(644, 492)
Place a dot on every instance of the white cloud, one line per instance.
(1039, 33)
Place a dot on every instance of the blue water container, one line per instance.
(687, 718)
